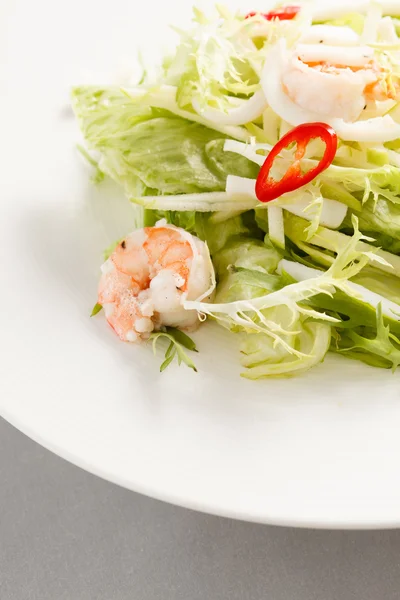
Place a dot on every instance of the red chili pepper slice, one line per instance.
(286, 13)
(268, 189)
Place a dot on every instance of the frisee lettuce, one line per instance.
(377, 347)
(213, 60)
(282, 313)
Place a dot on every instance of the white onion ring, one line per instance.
(330, 34)
(248, 111)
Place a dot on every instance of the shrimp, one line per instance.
(148, 277)
(336, 82)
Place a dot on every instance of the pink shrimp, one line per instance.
(337, 82)
(147, 278)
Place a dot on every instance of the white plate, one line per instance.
(322, 450)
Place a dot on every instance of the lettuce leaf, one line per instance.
(248, 255)
(245, 284)
(150, 151)
(335, 242)
(384, 284)
(379, 217)
(377, 347)
(213, 60)
(185, 220)
(246, 269)
(283, 333)
(262, 358)
(367, 326)
(217, 234)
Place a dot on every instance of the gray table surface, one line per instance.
(67, 535)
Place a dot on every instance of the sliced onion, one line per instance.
(371, 24)
(276, 228)
(201, 202)
(387, 31)
(248, 110)
(330, 34)
(247, 150)
(379, 129)
(332, 213)
(357, 56)
(243, 186)
(387, 34)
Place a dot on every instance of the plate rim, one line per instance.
(160, 494)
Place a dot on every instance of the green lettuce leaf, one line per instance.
(351, 311)
(286, 335)
(217, 233)
(384, 180)
(384, 284)
(151, 151)
(246, 255)
(363, 331)
(335, 242)
(377, 347)
(246, 269)
(245, 284)
(185, 220)
(263, 358)
(379, 217)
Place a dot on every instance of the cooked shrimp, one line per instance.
(336, 82)
(148, 277)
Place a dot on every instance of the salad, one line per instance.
(263, 163)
